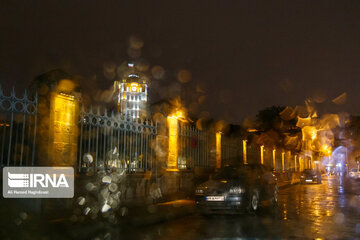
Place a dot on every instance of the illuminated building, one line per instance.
(131, 94)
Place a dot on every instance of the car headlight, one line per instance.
(236, 190)
(199, 191)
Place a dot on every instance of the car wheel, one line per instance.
(276, 195)
(254, 202)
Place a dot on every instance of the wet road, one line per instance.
(312, 211)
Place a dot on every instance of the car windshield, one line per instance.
(310, 171)
(232, 173)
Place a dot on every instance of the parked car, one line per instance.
(310, 176)
(354, 173)
(236, 188)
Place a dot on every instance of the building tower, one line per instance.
(131, 94)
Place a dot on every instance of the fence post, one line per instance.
(218, 149)
(57, 119)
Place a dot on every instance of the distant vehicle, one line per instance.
(354, 173)
(310, 176)
(237, 188)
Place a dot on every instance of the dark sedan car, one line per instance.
(236, 188)
(310, 176)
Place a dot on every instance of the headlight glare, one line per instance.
(236, 190)
(199, 191)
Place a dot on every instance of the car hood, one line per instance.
(216, 186)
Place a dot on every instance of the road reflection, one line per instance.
(311, 211)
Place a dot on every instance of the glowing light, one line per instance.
(178, 115)
(325, 150)
(218, 150)
(262, 154)
(244, 151)
(173, 144)
(63, 116)
(283, 162)
(274, 151)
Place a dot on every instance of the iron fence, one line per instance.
(18, 117)
(115, 141)
(194, 148)
(231, 150)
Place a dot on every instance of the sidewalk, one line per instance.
(161, 212)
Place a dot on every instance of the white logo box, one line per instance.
(38, 182)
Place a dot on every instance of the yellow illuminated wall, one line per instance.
(218, 150)
(274, 159)
(64, 129)
(244, 152)
(173, 142)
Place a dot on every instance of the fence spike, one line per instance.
(25, 95)
(13, 92)
(36, 97)
(91, 110)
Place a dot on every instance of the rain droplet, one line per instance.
(81, 200)
(124, 211)
(158, 72)
(113, 187)
(87, 210)
(184, 76)
(90, 187)
(106, 179)
(105, 208)
(88, 158)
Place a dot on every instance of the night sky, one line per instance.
(242, 55)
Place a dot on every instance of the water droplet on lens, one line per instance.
(113, 187)
(81, 200)
(106, 179)
(87, 210)
(105, 208)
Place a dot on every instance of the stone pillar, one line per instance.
(63, 127)
(57, 129)
(218, 150)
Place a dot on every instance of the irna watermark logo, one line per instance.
(38, 182)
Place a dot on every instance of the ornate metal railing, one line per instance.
(194, 147)
(113, 141)
(18, 117)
